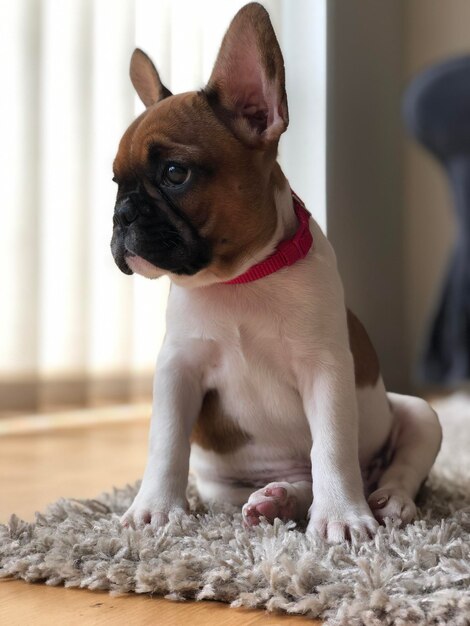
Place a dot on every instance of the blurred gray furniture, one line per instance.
(436, 109)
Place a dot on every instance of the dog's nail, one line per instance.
(267, 492)
(381, 501)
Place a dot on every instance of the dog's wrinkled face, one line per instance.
(195, 170)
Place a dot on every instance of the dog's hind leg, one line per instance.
(418, 441)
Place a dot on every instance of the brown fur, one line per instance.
(214, 430)
(366, 362)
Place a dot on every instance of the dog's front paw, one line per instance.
(147, 509)
(338, 523)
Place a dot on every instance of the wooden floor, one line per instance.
(40, 467)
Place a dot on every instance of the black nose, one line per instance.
(125, 212)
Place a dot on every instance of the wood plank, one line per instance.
(40, 605)
(80, 463)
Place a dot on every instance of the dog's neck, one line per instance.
(288, 251)
(286, 226)
(286, 218)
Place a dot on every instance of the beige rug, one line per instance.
(419, 575)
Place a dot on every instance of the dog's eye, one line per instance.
(175, 175)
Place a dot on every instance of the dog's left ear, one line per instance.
(247, 85)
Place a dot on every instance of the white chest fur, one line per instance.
(251, 340)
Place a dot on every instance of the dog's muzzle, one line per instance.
(151, 231)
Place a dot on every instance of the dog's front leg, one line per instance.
(177, 398)
(329, 397)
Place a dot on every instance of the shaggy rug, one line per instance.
(418, 575)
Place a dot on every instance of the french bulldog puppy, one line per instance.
(266, 382)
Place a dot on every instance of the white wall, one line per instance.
(364, 173)
(303, 148)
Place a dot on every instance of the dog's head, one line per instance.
(196, 171)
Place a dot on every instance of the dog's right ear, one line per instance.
(146, 80)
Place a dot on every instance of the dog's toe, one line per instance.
(145, 512)
(140, 518)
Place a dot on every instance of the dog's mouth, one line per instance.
(137, 254)
(129, 262)
(139, 265)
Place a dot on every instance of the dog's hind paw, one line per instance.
(274, 500)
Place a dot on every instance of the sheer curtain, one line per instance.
(73, 329)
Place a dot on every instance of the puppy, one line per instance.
(265, 380)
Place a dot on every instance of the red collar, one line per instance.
(287, 252)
